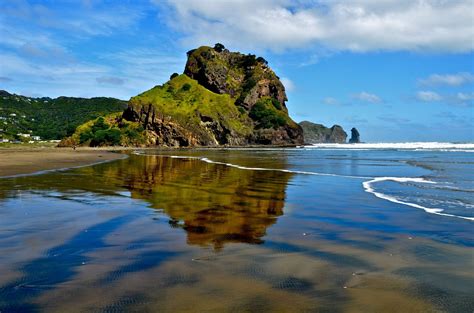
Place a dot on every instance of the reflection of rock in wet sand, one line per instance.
(214, 204)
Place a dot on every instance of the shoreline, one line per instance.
(32, 161)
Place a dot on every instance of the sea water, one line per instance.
(360, 228)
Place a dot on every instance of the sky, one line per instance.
(397, 70)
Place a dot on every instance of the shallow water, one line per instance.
(274, 230)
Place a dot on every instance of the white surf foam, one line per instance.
(368, 185)
(416, 146)
(263, 168)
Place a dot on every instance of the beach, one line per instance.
(21, 161)
(240, 230)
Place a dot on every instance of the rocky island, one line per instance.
(223, 98)
(318, 133)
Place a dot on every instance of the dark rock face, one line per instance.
(355, 136)
(317, 133)
(164, 131)
(161, 132)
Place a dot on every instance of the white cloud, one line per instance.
(71, 79)
(289, 85)
(367, 97)
(356, 25)
(428, 96)
(447, 79)
(465, 96)
(463, 99)
(330, 101)
(86, 20)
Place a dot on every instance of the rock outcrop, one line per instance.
(223, 98)
(355, 136)
(318, 133)
(245, 77)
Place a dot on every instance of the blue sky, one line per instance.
(398, 70)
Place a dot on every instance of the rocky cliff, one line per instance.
(223, 98)
(317, 133)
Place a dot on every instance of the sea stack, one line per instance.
(355, 136)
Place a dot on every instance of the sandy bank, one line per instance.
(27, 161)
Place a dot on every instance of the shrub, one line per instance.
(219, 47)
(266, 117)
(85, 136)
(106, 137)
(249, 84)
(262, 60)
(174, 75)
(100, 124)
(186, 87)
(249, 60)
(276, 104)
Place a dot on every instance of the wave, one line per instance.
(367, 185)
(415, 146)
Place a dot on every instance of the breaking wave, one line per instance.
(368, 187)
(415, 146)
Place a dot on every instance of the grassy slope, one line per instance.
(174, 100)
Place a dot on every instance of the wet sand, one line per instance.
(152, 233)
(28, 161)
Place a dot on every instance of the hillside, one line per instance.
(223, 98)
(50, 118)
(318, 133)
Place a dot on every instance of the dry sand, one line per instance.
(27, 161)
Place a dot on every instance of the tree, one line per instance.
(186, 87)
(262, 60)
(219, 47)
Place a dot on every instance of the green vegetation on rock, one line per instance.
(110, 130)
(267, 114)
(185, 101)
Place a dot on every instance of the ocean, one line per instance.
(323, 228)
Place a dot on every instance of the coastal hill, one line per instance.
(223, 98)
(50, 118)
(317, 133)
